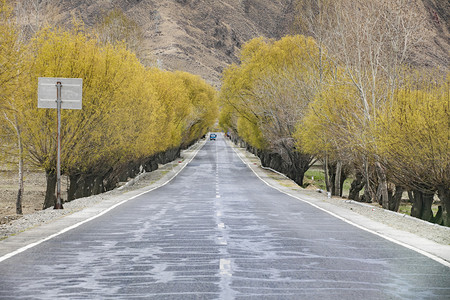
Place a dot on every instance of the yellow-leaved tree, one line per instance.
(59, 53)
(203, 109)
(331, 132)
(129, 115)
(266, 96)
(12, 70)
(414, 141)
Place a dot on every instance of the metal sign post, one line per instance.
(58, 204)
(68, 96)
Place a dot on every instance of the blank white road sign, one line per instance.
(71, 92)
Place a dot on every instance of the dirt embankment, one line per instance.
(34, 192)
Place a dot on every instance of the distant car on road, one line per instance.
(212, 136)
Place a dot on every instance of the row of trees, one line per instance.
(348, 98)
(265, 97)
(130, 113)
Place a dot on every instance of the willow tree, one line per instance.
(371, 42)
(414, 141)
(328, 130)
(203, 109)
(130, 112)
(92, 136)
(270, 91)
(11, 77)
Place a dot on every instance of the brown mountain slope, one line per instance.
(204, 36)
(198, 36)
(435, 47)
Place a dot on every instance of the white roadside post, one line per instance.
(68, 96)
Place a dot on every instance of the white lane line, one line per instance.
(221, 225)
(222, 241)
(225, 267)
(29, 246)
(217, 196)
(219, 214)
(429, 255)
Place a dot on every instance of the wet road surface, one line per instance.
(218, 232)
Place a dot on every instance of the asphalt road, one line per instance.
(218, 232)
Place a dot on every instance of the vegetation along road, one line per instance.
(215, 232)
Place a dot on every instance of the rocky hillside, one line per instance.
(198, 36)
(435, 47)
(204, 36)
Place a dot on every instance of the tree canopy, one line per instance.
(130, 112)
(349, 98)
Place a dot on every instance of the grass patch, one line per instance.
(405, 208)
(347, 185)
(315, 178)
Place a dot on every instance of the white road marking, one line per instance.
(221, 225)
(225, 267)
(222, 241)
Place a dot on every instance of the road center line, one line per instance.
(225, 267)
(222, 241)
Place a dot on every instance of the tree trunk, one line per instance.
(337, 181)
(427, 213)
(79, 191)
(98, 185)
(19, 201)
(378, 196)
(343, 178)
(410, 196)
(327, 178)
(20, 175)
(299, 177)
(50, 197)
(331, 178)
(300, 164)
(88, 185)
(293, 165)
(20, 191)
(421, 207)
(382, 182)
(394, 203)
(444, 196)
(356, 186)
(73, 186)
(369, 193)
(367, 196)
(416, 209)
